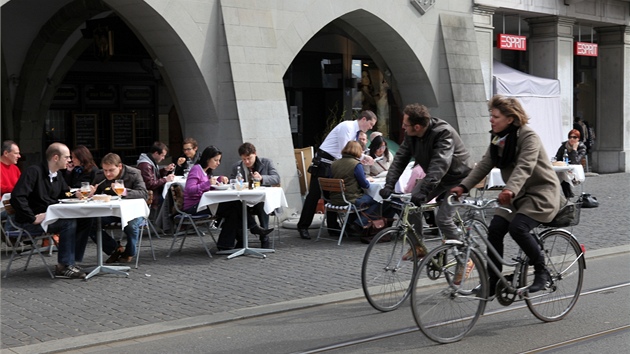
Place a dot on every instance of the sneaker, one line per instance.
(459, 272)
(408, 256)
(68, 272)
(113, 258)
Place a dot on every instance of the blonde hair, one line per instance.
(352, 148)
(509, 107)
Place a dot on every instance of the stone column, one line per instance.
(612, 127)
(550, 51)
(482, 18)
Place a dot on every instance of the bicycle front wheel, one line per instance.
(447, 307)
(565, 261)
(385, 275)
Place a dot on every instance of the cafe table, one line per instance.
(274, 200)
(125, 209)
(573, 174)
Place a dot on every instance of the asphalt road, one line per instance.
(361, 329)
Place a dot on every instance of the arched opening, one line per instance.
(356, 62)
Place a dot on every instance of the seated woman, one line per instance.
(84, 167)
(382, 157)
(576, 150)
(349, 169)
(199, 181)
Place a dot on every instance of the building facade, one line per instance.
(115, 75)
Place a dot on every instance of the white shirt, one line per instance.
(337, 139)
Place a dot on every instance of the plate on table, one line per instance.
(73, 200)
(222, 187)
(114, 197)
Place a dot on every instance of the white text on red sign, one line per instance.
(512, 42)
(586, 49)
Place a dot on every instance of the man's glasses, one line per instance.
(574, 137)
(404, 125)
(187, 149)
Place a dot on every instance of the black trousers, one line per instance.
(314, 194)
(519, 229)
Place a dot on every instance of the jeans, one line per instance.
(373, 209)
(132, 231)
(68, 236)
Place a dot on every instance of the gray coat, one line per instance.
(532, 179)
(440, 153)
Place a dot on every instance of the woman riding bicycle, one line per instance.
(532, 189)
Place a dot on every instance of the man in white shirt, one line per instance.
(329, 151)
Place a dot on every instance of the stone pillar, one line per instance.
(482, 18)
(550, 51)
(612, 127)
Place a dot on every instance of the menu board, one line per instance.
(85, 132)
(123, 130)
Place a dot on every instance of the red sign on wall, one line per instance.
(585, 49)
(511, 42)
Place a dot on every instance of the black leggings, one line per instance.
(519, 229)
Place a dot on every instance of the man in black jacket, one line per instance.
(38, 187)
(439, 150)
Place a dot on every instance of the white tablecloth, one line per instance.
(272, 196)
(125, 209)
(376, 187)
(573, 174)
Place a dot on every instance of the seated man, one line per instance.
(9, 172)
(190, 156)
(36, 189)
(114, 169)
(155, 178)
(261, 169)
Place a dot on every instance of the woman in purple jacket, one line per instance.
(200, 179)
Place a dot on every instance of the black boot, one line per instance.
(542, 279)
(257, 230)
(264, 241)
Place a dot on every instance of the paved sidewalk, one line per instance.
(190, 289)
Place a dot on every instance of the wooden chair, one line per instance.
(187, 220)
(337, 185)
(16, 236)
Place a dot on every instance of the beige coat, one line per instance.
(532, 179)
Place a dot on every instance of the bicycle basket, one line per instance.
(569, 215)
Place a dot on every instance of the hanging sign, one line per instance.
(585, 49)
(511, 42)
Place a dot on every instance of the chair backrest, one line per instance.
(303, 159)
(178, 198)
(336, 185)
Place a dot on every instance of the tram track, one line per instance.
(514, 307)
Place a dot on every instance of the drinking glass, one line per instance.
(119, 187)
(256, 182)
(85, 189)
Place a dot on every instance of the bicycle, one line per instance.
(445, 311)
(386, 274)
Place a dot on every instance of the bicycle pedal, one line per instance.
(453, 242)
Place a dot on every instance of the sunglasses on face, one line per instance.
(573, 137)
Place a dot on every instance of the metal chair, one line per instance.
(186, 220)
(337, 185)
(16, 236)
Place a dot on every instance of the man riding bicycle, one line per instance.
(439, 150)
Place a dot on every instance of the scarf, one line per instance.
(506, 140)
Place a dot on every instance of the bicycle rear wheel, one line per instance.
(444, 311)
(385, 276)
(565, 261)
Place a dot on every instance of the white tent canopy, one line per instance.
(540, 98)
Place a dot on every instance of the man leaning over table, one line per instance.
(154, 177)
(39, 187)
(114, 169)
(329, 151)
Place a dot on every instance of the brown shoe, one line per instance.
(125, 259)
(113, 258)
(408, 256)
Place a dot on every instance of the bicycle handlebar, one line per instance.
(491, 203)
